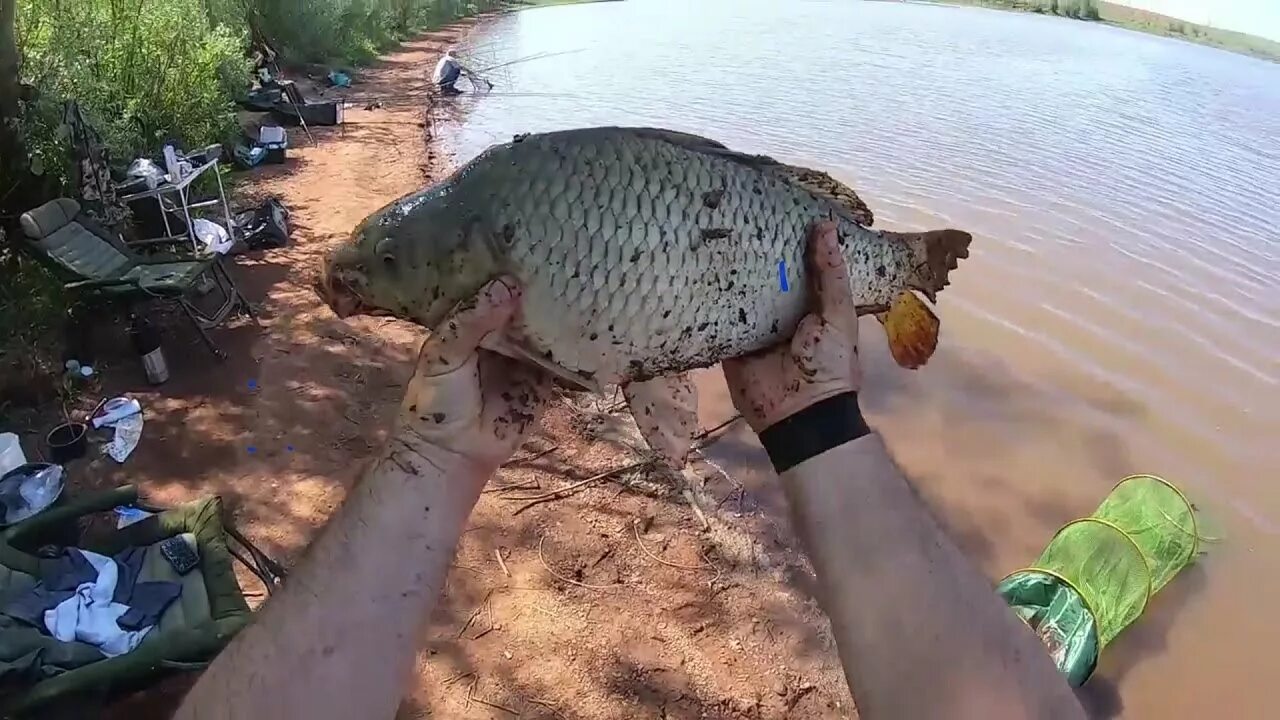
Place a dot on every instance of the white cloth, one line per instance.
(216, 239)
(128, 432)
(90, 617)
(446, 65)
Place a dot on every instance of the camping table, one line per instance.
(181, 189)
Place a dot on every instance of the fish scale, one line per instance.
(642, 252)
(678, 197)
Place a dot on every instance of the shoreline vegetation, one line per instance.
(151, 71)
(144, 73)
(1144, 21)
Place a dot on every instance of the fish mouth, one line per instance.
(339, 292)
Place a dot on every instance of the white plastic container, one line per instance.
(171, 164)
(11, 455)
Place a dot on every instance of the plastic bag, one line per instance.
(146, 170)
(215, 238)
(26, 493)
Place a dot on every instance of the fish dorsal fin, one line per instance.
(697, 143)
(819, 183)
(824, 186)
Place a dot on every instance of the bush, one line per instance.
(325, 31)
(144, 71)
(32, 313)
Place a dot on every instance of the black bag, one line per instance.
(265, 227)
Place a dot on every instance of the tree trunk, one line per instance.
(8, 60)
(18, 188)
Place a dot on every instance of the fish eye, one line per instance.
(384, 251)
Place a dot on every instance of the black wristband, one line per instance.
(814, 430)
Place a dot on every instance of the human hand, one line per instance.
(821, 360)
(466, 406)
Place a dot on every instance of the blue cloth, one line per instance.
(147, 601)
(450, 76)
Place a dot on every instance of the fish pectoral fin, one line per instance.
(912, 329)
(666, 411)
(503, 345)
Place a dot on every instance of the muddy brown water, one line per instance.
(1121, 310)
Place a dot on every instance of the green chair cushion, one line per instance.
(84, 254)
(210, 611)
(172, 278)
(191, 608)
(47, 218)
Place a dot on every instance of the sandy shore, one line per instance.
(609, 602)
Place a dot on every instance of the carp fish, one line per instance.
(643, 253)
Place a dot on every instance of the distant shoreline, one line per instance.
(526, 4)
(1144, 21)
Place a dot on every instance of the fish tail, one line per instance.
(937, 253)
(911, 326)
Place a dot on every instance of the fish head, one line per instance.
(415, 259)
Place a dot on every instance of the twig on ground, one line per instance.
(560, 493)
(456, 678)
(471, 695)
(497, 552)
(635, 529)
(526, 485)
(545, 611)
(542, 559)
(532, 457)
(488, 611)
(698, 440)
(800, 692)
(693, 503)
(547, 705)
(736, 492)
(474, 614)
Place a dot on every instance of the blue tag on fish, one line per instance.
(782, 275)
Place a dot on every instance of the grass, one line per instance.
(1147, 22)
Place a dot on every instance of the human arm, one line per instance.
(919, 630)
(473, 76)
(338, 641)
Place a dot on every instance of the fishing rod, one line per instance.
(535, 56)
(472, 48)
(351, 100)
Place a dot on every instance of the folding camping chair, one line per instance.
(91, 262)
(40, 674)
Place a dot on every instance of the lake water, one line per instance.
(1120, 312)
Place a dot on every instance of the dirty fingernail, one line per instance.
(829, 247)
(499, 292)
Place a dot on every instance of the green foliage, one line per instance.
(1079, 9)
(145, 71)
(329, 31)
(33, 309)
